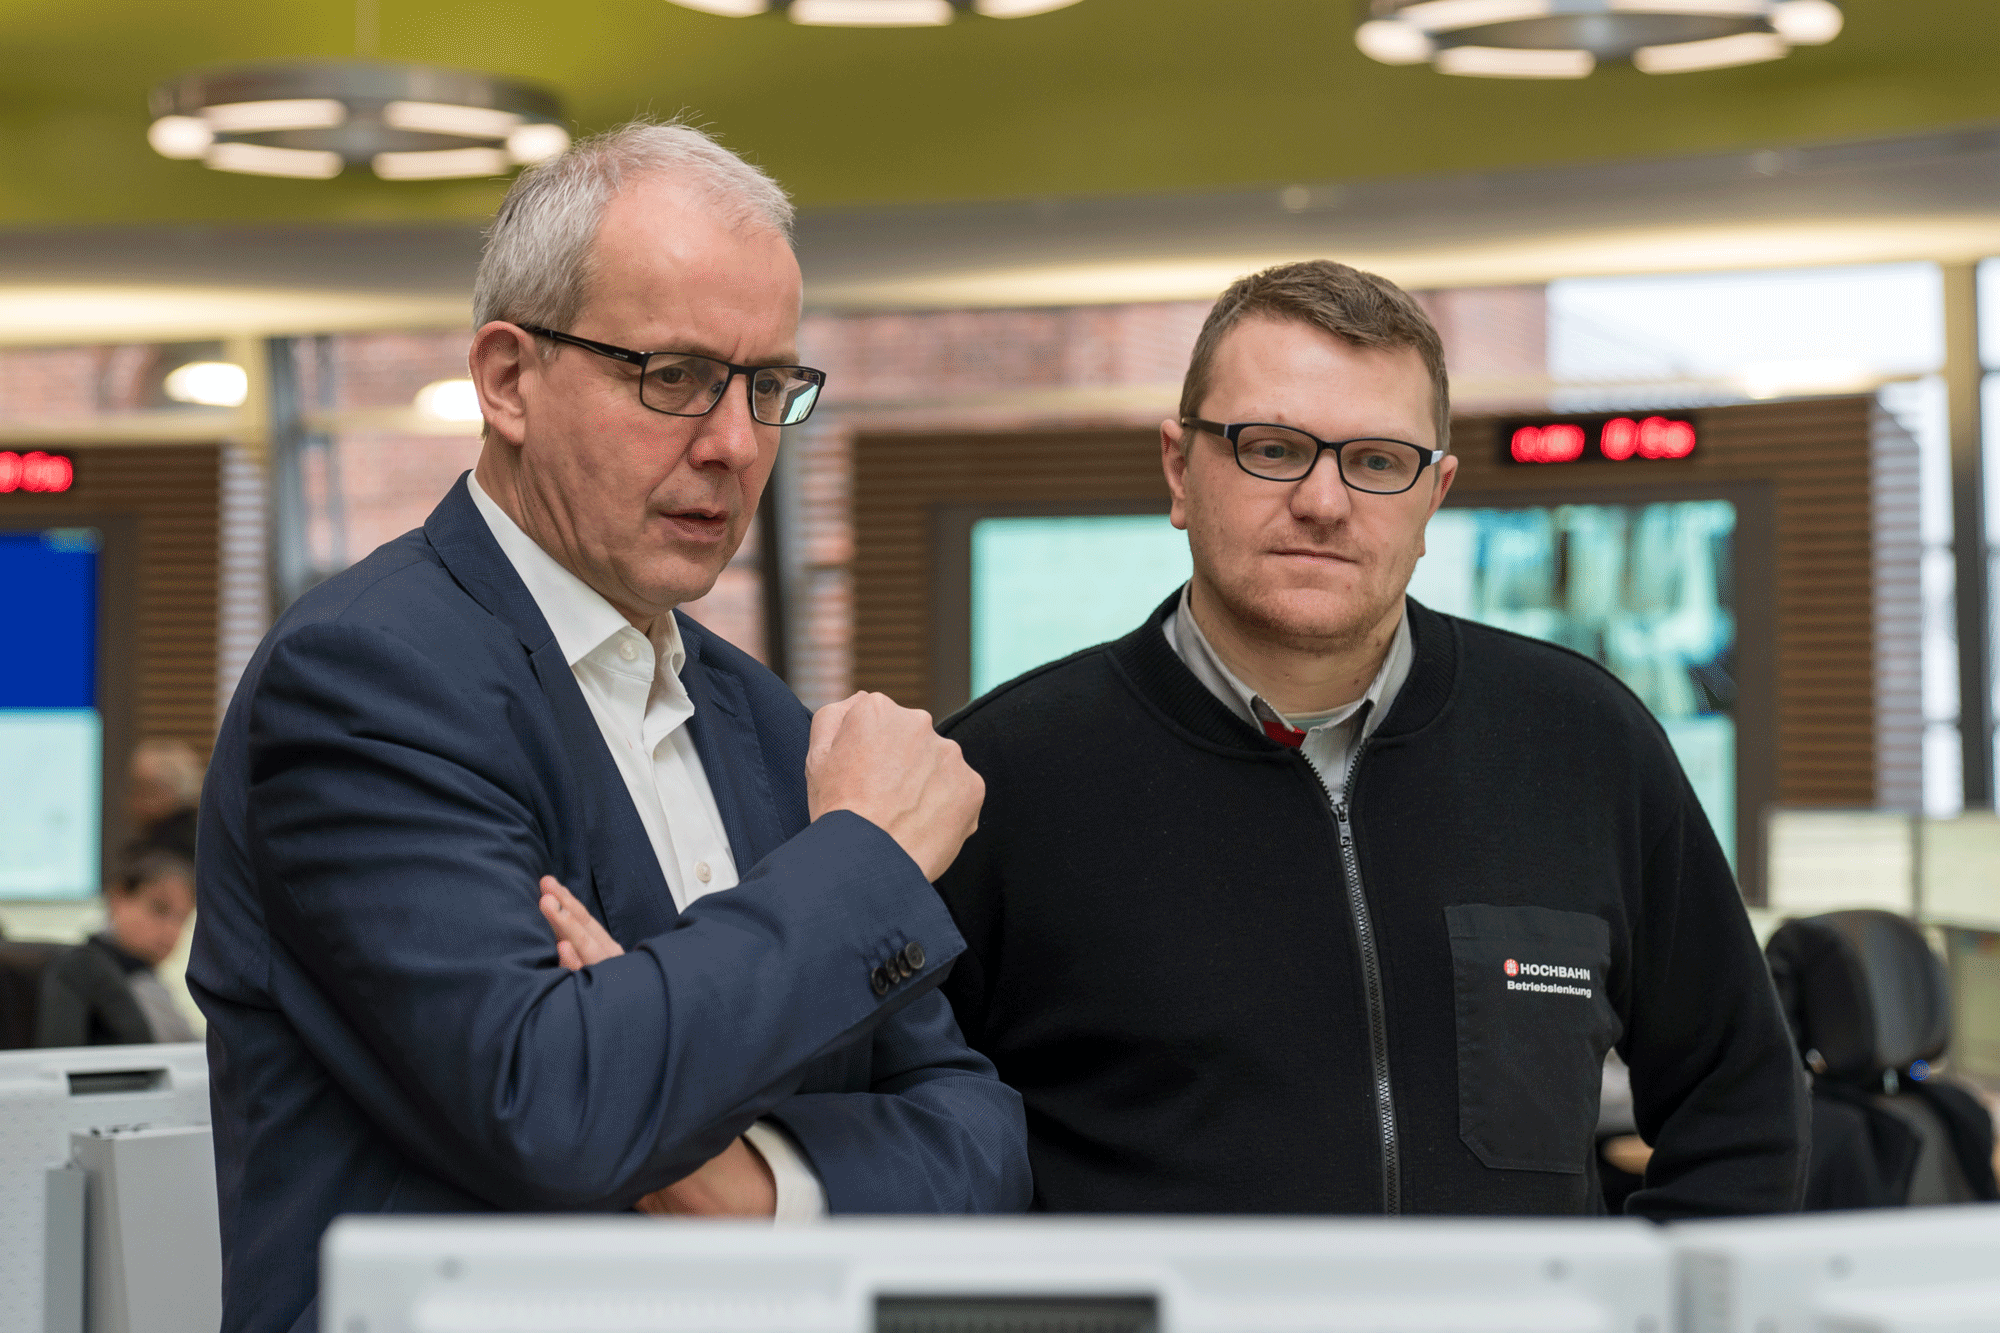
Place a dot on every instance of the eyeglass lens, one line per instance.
(1384, 466)
(688, 386)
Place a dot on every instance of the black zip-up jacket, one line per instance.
(1222, 988)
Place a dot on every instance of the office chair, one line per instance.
(1870, 1009)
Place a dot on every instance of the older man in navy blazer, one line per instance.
(447, 765)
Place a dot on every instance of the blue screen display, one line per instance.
(51, 737)
(48, 618)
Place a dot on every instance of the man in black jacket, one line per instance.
(1302, 898)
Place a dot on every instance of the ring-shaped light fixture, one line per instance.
(1566, 39)
(875, 13)
(314, 119)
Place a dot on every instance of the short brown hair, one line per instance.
(146, 867)
(1356, 307)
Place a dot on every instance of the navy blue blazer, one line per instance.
(389, 1031)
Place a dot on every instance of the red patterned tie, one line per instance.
(1283, 734)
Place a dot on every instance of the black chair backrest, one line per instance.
(1863, 990)
(21, 967)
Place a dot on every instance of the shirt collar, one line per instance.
(1184, 635)
(578, 614)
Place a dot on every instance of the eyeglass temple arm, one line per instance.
(602, 349)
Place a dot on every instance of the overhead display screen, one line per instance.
(1647, 590)
(51, 735)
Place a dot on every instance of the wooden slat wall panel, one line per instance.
(1818, 457)
(899, 479)
(171, 493)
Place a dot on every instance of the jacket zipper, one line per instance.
(1371, 981)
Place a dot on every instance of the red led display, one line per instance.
(1617, 439)
(1561, 443)
(35, 471)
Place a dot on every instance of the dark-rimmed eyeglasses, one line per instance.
(685, 384)
(1272, 452)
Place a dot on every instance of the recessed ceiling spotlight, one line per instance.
(314, 119)
(449, 400)
(1567, 39)
(208, 384)
(875, 13)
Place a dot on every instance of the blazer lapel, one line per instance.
(611, 855)
(732, 756)
(627, 889)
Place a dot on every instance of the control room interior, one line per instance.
(1724, 342)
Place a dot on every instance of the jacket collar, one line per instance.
(470, 554)
(1158, 675)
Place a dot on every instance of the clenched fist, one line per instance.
(885, 763)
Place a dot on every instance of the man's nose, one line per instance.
(727, 437)
(1321, 496)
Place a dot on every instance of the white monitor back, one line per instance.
(1887, 1270)
(967, 1275)
(48, 1095)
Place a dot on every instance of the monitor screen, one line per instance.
(1648, 590)
(51, 733)
(1043, 588)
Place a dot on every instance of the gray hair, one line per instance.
(538, 260)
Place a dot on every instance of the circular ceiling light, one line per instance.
(1565, 39)
(315, 119)
(875, 13)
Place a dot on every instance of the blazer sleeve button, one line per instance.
(913, 956)
(879, 981)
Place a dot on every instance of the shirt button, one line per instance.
(701, 871)
(627, 651)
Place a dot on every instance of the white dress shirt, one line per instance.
(632, 683)
(1331, 738)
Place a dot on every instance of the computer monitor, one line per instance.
(46, 1096)
(1887, 1270)
(978, 1275)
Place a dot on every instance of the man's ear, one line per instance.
(502, 356)
(1174, 462)
(1446, 470)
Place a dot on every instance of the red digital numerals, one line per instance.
(1548, 444)
(1617, 440)
(34, 471)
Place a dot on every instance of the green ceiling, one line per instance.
(1107, 97)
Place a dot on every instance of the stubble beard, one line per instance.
(1316, 621)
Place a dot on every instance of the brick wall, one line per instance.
(971, 372)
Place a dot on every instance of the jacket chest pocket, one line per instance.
(1534, 1024)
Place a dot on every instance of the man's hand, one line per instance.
(735, 1183)
(886, 764)
(580, 941)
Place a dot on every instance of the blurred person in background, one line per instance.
(409, 1009)
(163, 797)
(105, 991)
(1302, 898)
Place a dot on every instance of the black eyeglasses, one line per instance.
(1283, 453)
(683, 384)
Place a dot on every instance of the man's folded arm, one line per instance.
(1717, 1086)
(398, 845)
(937, 1133)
